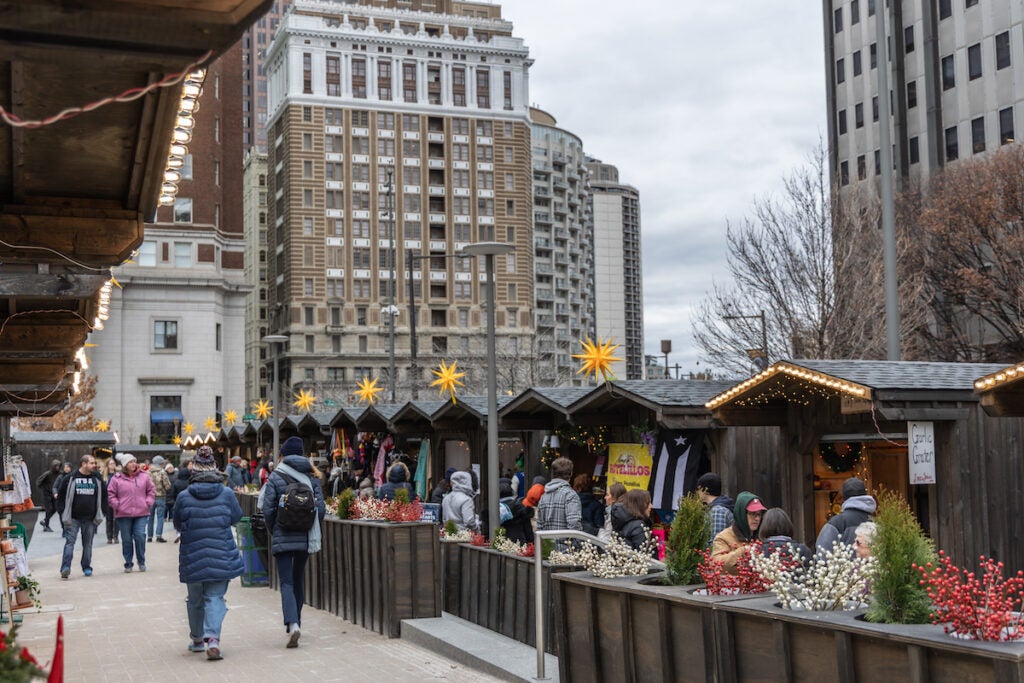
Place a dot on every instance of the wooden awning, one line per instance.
(1002, 392)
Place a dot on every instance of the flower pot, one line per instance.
(21, 598)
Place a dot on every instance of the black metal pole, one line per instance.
(413, 369)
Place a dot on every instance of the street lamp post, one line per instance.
(764, 332)
(274, 340)
(410, 260)
(392, 309)
(489, 250)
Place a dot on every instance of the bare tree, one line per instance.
(973, 219)
(77, 416)
(812, 262)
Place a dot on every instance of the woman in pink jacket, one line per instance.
(131, 495)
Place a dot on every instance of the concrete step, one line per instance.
(478, 648)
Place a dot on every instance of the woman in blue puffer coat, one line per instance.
(208, 557)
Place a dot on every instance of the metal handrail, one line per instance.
(538, 564)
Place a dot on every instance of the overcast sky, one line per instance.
(702, 105)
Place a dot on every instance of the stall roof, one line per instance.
(540, 406)
(97, 438)
(472, 406)
(1002, 391)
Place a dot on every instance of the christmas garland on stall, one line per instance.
(840, 463)
(595, 440)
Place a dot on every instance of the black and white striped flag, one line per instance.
(678, 461)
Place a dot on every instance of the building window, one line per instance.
(307, 142)
(915, 151)
(974, 61)
(307, 287)
(874, 55)
(952, 147)
(182, 254)
(908, 39)
(862, 167)
(307, 114)
(1003, 50)
(911, 94)
(308, 342)
(878, 162)
(186, 167)
(147, 253)
(837, 19)
(854, 12)
(978, 135)
(856, 63)
(165, 334)
(307, 73)
(874, 108)
(333, 64)
(217, 336)
(871, 8)
(945, 9)
(1006, 126)
(842, 121)
(858, 115)
(970, 3)
(182, 210)
(483, 88)
(948, 73)
(307, 199)
(307, 226)
(844, 173)
(840, 70)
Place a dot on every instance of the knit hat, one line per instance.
(540, 479)
(292, 446)
(854, 487)
(710, 482)
(236, 458)
(124, 458)
(159, 460)
(449, 472)
(204, 458)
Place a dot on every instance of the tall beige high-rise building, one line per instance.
(398, 133)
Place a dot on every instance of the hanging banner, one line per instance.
(629, 464)
(921, 452)
(678, 459)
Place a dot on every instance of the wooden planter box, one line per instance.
(759, 640)
(497, 591)
(624, 630)
(248, 503)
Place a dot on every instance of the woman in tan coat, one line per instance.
(728, 546)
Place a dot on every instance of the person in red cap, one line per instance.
(728, 546)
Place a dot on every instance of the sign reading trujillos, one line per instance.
(921, 452)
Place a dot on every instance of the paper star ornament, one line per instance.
(304, 400)
(368, 390)
(210, 424)
(448, 379)
(597, 357)
(189, 427)
(177, 440)
(102, 426)
(230, 416)
(263, 409)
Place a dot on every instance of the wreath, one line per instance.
(840, 462)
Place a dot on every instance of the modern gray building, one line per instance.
(956, 78)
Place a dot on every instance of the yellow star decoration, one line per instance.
(263, 409)
(448, 379)
(211, 424)
(304, 400)
(230, 417)
(188, 427)
(177, 440)
(597, 357)
(102, 426)
(368, 390)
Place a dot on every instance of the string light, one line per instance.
(182, 135)
(1004, 376)
(809, 381)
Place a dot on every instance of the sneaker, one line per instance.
(213, 649)
(46, 528)
(65, 573)
(161, 539)
(127, 570)
(177, 538)
(87, 572)
(196, 646)
(142, 567)
(149, 539)
(293, 635)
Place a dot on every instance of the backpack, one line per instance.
(296, 510)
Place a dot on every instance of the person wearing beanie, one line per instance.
(179, 484)
(161, 484)
(443, 487)
(236, 478)
(292, 548)
(131, 496)
(205, 514)
(46, 482)
(519, 524)
(857, 508)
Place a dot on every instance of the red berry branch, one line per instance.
(983, 608)
(720, 582)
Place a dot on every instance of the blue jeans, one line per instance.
(291, 575)
(133, 530)
(157, 512)
(88, 529)
(206, 609)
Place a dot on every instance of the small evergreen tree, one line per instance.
(345, 499)
(897, 596)
(686, 539)
(402, 497)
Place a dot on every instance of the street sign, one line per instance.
(248, 417)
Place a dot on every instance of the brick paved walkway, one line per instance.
(133, 627)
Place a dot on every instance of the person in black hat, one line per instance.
(443, 486)
(719, 507)
(858, 507)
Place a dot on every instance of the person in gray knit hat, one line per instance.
(131, 497)
(161, 484)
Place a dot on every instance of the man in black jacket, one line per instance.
(78, 500)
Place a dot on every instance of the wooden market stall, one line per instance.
(856, 416)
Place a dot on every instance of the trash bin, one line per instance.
(255, 573)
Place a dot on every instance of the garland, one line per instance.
(840, 463)
(594, 440)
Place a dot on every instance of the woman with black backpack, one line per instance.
(293, 507)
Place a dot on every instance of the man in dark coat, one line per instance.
(291, 549)
(179, 484)
(45, 482)
(204, 515)
(398, 478)
(858, 507)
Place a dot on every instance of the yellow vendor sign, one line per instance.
(629, 464)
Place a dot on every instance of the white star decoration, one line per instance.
(680, 440)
